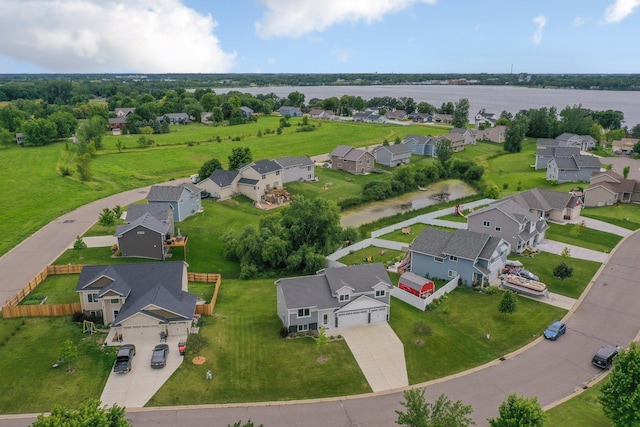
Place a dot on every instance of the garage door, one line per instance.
(351, 318)
(379, 314)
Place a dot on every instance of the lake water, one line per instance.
(493, 99)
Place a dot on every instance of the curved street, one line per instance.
(607, 313)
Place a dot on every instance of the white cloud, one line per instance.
(619, 10)
(578, 21)
(284, 19)
(541, 22)
(147, 36)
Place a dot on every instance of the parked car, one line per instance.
(124, 358)
(605, 356)
(159, 356)
(527, 275)
(555, 330)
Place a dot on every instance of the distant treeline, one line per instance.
(63, 88)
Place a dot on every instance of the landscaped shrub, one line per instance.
(66, 171)
(79, 243)
(491, 290)
(284, 332)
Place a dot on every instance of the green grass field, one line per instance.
(582, 410)
(623, 215)
(589, 238)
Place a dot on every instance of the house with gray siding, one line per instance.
(545, 152)
(139, 300)
(286, 110)
(393, 155)
(469, 135)
(294, 169)
(511, 222)
(175, 118)
(421, 145)
(350, 159)
(477, 258)
(557, 206)
(575, 168)
(583, 142)
(258, 177)
(148, 228)
(183, 198)
(334, 298)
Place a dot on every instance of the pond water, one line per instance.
(407, 202)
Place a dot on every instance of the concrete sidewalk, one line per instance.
(98, 241)
(601, 225)
(577, 252)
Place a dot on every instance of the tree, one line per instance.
(514, 135)
(625, 171)
(79, 243)
(508, 303)
(442, 413)
(69, 352)
(209, 101)
(562, 271)
(566, 252)
(83, 166)
(312, 222)
(620, 395)
(491, 191)
(239, 156)
(107, 217)
(38, 132)
(460, 117)
(635, 131)
(444, 151)
(322, 340)
(517, 411)
(208, 167)
(89, 414)
(92, 131)
(6, 138)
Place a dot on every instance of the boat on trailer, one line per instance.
(525, 286)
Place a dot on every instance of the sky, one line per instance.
(320, 36)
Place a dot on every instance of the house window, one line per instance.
(308, 168)
(264, 176)
(453, 258)
(140, 232)
(303, 312)
(339, 165)
(438, 259)
(498, 229)
(114, 300)
(452, 273)
(309, 176)
(380, 293)
(325, 319)
(368, 160)
(344, 297)
(92, 297)
(486, 223)
(302, 328)
(277, 173)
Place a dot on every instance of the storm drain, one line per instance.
(68, 221)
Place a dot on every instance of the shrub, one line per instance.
(79, 244)
(491, 290)
(284, 332)
(66, 171)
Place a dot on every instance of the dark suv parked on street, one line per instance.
(605, 356)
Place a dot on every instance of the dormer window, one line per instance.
(344, 297)
(380, 293)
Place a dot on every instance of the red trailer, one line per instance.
(416, 285)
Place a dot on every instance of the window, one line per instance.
(498, 229)
(304, 312)
(114, 300)
(140, 232)
(438, 259)
(308, 168)
(277, 173)
(344, 297)
(453, 258)
(452, 273)
(92, 297)
(368, 160)
(380, 293)
(264, 176)
(486, 223)
(302, 328)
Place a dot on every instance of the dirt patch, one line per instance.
(199, 360)
(322, 359)
(419, 343)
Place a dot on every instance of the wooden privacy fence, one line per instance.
(12, 309)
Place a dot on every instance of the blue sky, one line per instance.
(319, 36)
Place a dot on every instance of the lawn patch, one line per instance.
(582, 410)
(377, 255)
(574, 234)
(623, 215)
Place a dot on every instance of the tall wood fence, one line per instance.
(12, 309)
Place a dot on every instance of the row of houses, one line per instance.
(563, 159)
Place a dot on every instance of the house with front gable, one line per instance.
(443, 118)
(456, 139)
(583, 142)
(258, 177)
(123, 112)
(494, 134)
(183, 198)
(139, 300)
(608, 188)
(544, 153)
(509, 221)
(557, 206)
(393, 155)
(469, 135)
(148, 229)
(246, 112)
(577, 167)
(350, 159)
(421, 117)
(478, 258)
(286, 110)
(299, 168)
(175, 118)
(396, 115)
(421, 145)
(335, 298)
(484, 117)
(221, 184)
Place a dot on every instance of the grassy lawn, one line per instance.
(574, 234)
(399, 236)
(461, 323)
(375, 253)
(623, 215)
(28, 348)
(58, 289)
(543, 264)
(582, 410)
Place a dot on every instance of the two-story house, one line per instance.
(147, 230)
(221, 184)
(609, 187)
(478, 258)
(421, 145)
(484, 117)
(299, 168)
(494, 134)
(351, 159)
(258, 178)
(575, 168)
(552, 205)
(470, 135)
(183, 198)
(393, 155)
(545, 152)
(335, 298)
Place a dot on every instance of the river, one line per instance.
(410, 201)
(493, 99)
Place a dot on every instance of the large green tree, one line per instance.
(576, 120)
(442, 413)
(239, 156)
(508, 303)
(38, 132)
(208, 167)
(519, 411)
(92, 131)
(312, 222)
(444, 151)
(620, 395)
(515, 133)
(89, 414)
(460, 117)
(66, 123)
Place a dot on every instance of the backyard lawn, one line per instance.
(377, 255)
(590, 238)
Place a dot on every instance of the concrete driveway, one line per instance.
(379, 353)
(135, 388)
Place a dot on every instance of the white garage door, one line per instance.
(351, 318)
(379, 314)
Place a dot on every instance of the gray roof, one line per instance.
(287, 162)
(341, 150)
(248, 181)
(565, 136)
(461, 243)
(223, 178)
(179, 116)
(586, 161)
(246, 109)
(354, 154)
(171, 193)
(265, 166)
(510, 208)
(547, 142)
(420, 140)
(155, 283)
(361, 278)
(160, 211)
(458, 130)
(544, 200)
(396, 148)
(147, 221)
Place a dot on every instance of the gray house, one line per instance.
(552, 205)
(545, 152)
(246, 112)
(290, 111)
(335, 298)
(183, 198)
(296, 169)
(574, 168)
(139, 300)
(175, 118)
(148, 228)
(583, 142)
(393, 155)
(477, 258)
(421, 145)
(510, 221)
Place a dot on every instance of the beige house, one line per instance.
(609, 187)
(353, 160)
(495, 134)
(258, 177)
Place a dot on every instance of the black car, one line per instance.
(605, 356)
(124, 358)
(159, 356)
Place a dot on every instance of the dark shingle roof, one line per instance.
(223, 178)
(341, 150)
(170, 193)
(160, 211)
(146, 221)
(510, 208)
(248, 181)
(398, 148)
(265, 166)
(420, 139)
(542, 199)
(361, 278)
(461, 243)
(287, 162)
